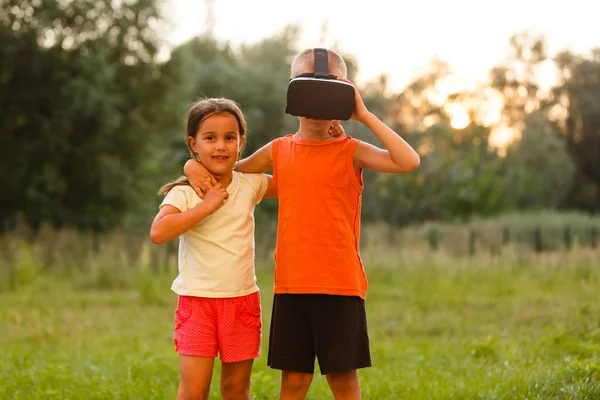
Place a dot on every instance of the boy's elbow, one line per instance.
(188, 166)
(415, 163)
(408, 165)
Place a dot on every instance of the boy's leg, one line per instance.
(235, 380)
(291, 344)
(341, 341)
(294, 385)
(344, 385)
(195, 376)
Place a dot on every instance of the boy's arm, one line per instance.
(397, 157)
(202, 180)
(270, 193)
(259, 162)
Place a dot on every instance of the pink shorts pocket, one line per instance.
(183, 312)
(249, 311)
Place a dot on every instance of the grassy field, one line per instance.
(505, 327)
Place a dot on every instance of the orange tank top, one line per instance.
(318, 223)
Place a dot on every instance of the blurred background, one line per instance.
(482, 263)
(502, 104)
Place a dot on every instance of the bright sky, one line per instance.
(399, 37)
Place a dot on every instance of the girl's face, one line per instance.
(217, 143)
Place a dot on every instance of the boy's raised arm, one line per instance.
(397, 157)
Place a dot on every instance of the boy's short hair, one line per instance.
(305, 61)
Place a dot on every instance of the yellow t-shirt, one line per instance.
(216, 257)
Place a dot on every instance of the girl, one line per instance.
(218, 310)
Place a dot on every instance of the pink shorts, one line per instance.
(230, 327)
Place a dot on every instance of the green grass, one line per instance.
(510, 327)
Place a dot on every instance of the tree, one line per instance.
(572, 105)
(579, 95)
(77, 86)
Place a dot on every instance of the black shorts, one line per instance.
(331, 328)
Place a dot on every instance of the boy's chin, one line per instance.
(317, 122)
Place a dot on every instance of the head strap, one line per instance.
(321, 63)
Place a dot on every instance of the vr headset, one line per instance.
(319, 95)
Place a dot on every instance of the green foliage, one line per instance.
(92, 123)
(572, 106)
(539, 170)
(76, 85)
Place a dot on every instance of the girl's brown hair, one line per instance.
(198, 112)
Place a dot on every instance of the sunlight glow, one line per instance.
(502, 136)
(459, 119)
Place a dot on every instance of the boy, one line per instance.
(320, 283)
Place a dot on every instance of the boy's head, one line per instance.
(304, 62)
(314, 92)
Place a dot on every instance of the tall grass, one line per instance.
(106, 260)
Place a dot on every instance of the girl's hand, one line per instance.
(360, 110)
(336, 129)
(214, 198)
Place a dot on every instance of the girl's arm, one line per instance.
(170, 222)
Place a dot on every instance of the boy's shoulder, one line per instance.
(293, 138)
(289, 137)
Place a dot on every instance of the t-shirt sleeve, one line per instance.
(259, 183)
(177, 198)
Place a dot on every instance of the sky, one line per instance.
(397, 37)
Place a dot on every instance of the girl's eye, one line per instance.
(209, 137)
(230, 137)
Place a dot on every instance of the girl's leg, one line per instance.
(195, 376)
(235, 380)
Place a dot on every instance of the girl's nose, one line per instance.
(220, 144)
